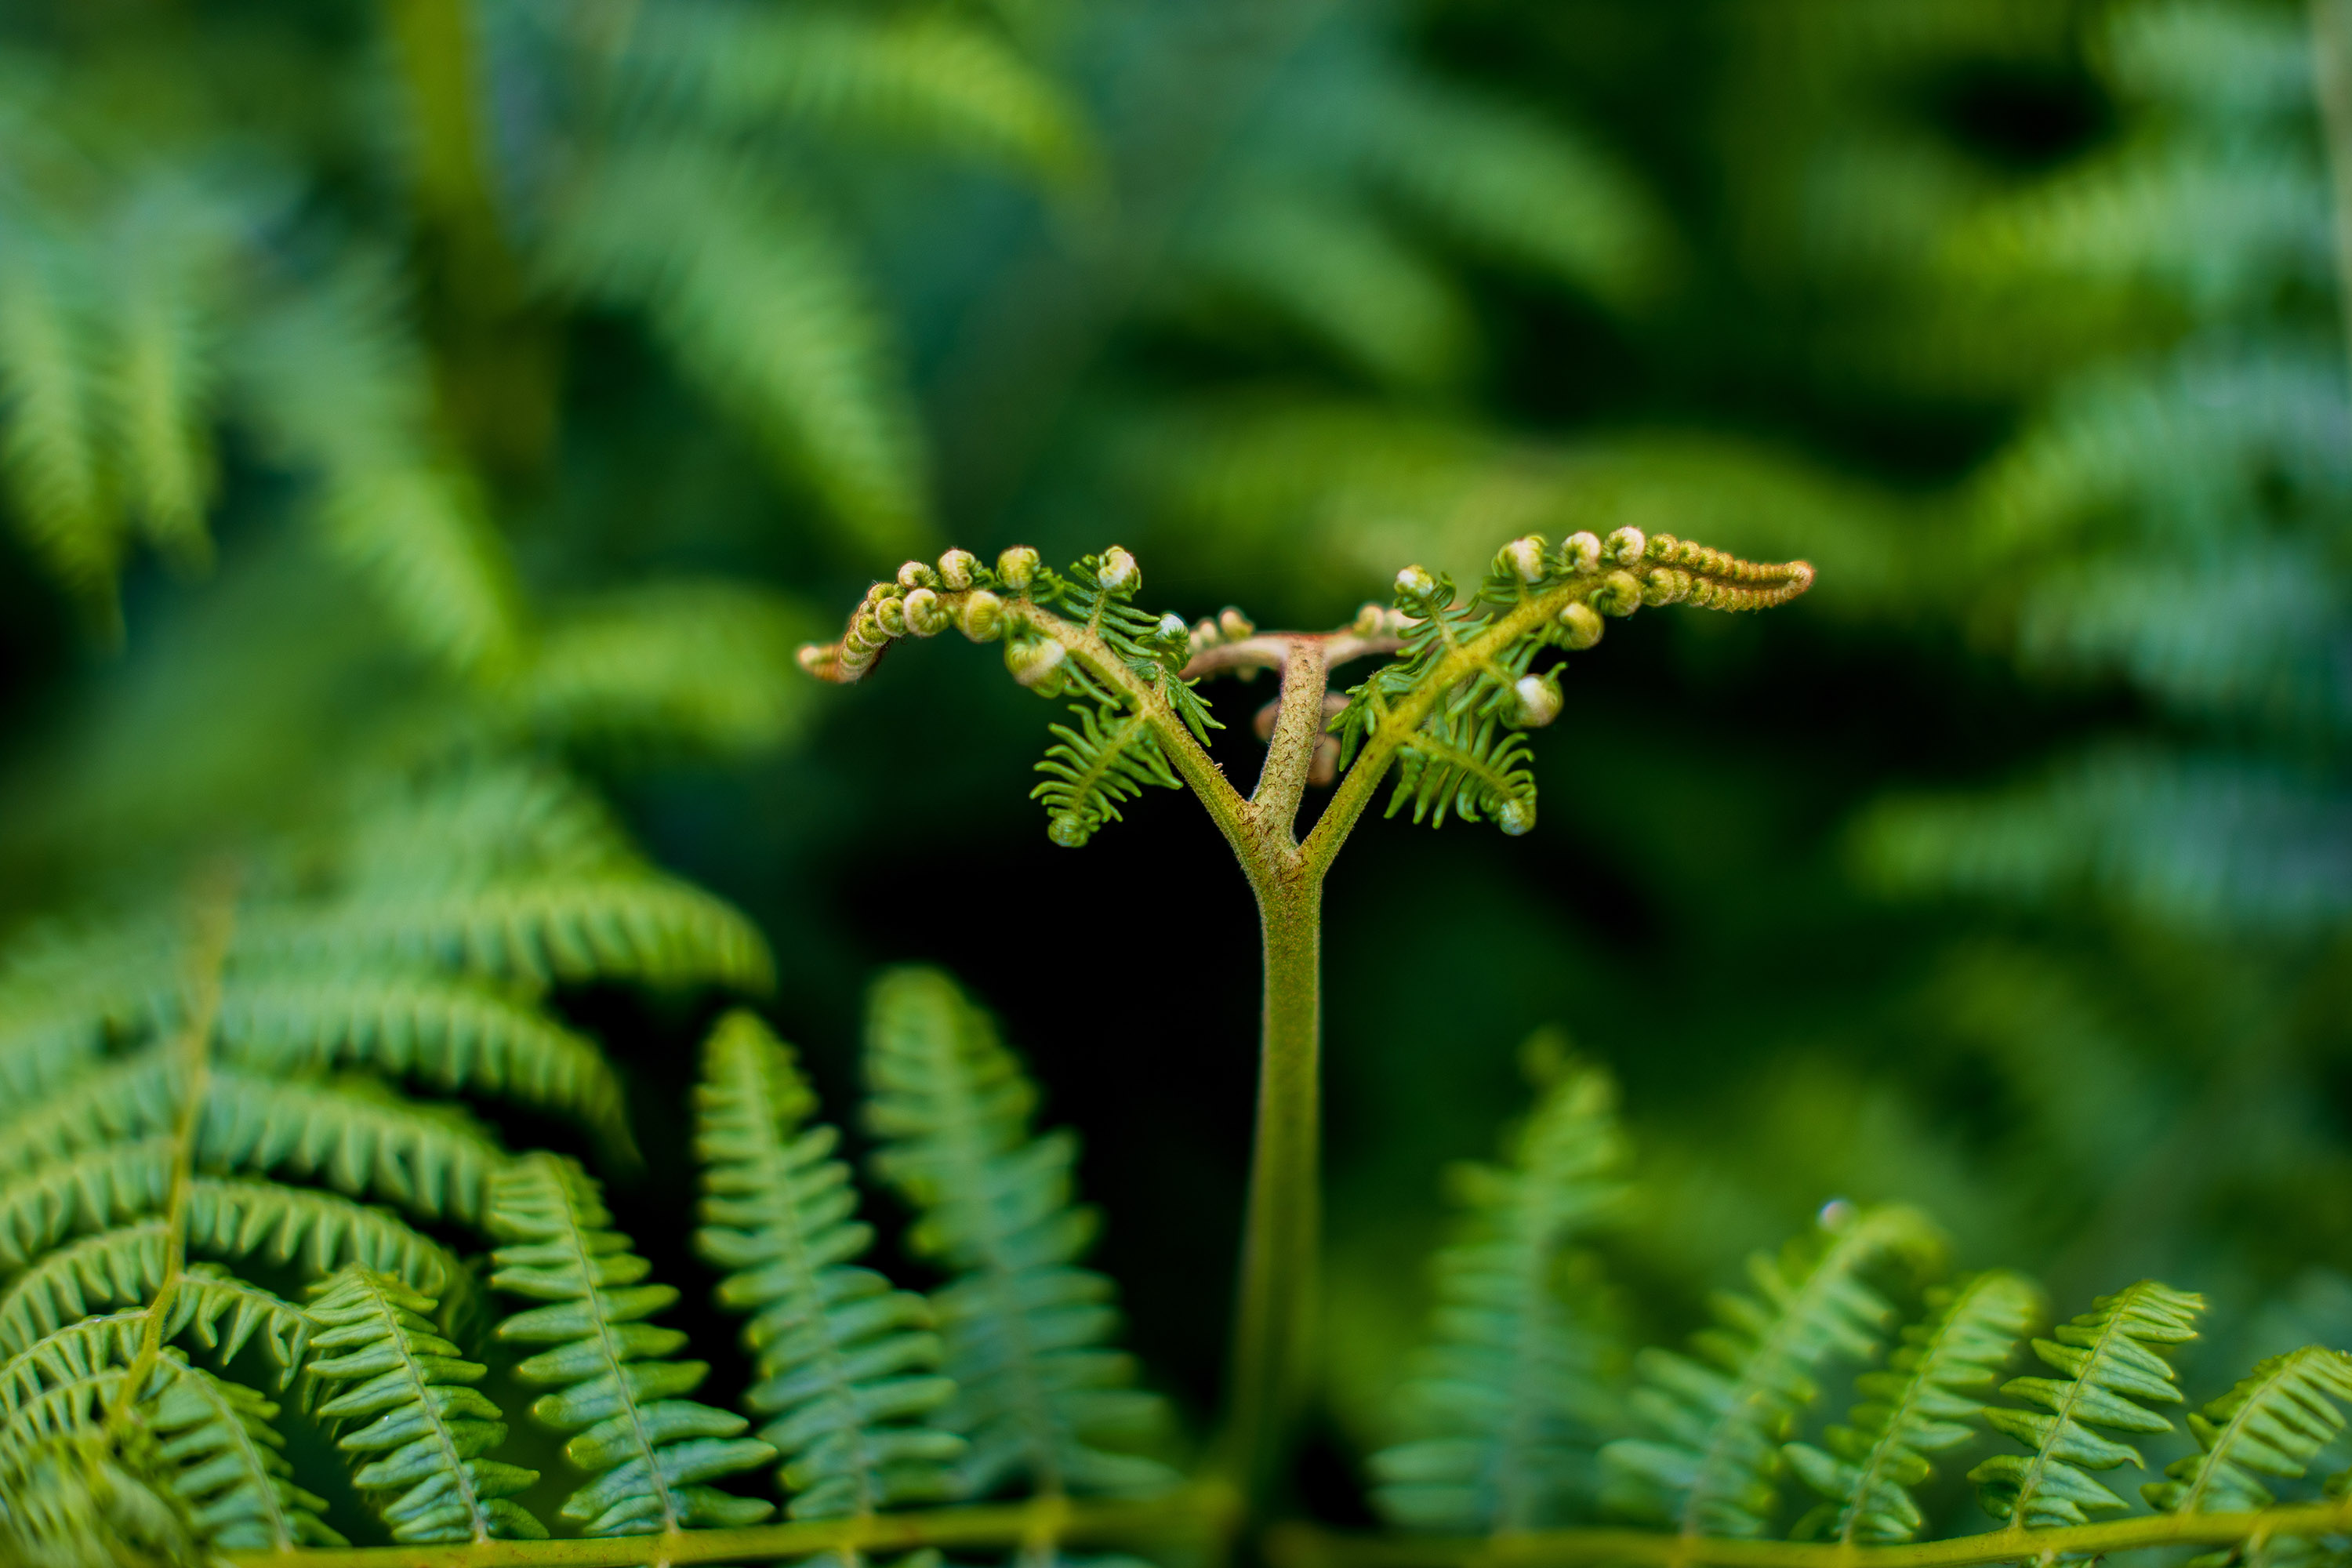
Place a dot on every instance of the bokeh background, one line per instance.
(390, 381)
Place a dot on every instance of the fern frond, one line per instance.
(48, 447)
(127, 1265)
(2274, 1423)
(847, 1367)
(1920, 1406)
(1505, 1408)
(323, 1231)
(79, 1500)
(425, 1427)
(1473, 768)
(135, 1098)
(1109, 757)
(648, 1448)
(1720, 1417)
(2110, 1360)
(162, 362)
(454, 1033)
(1027, 1331)
(228, 1468)
(89, 1191)
(362, 1136)
(755, 297)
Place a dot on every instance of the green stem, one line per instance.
(2331, 48)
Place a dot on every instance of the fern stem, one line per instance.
(2331, 47)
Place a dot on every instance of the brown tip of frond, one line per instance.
(1684, 571)
(860, 649)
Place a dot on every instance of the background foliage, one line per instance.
(391, 385)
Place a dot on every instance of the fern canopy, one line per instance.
(1040, 1393)
(2111, 1361)
(848, 1368)
(1509, 1403)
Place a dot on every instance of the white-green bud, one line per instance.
(1205, 635)
(1068, 831)
(914, 575)
(1580, 554)
(1626, 546)
(1535, 702)
(1584, 626)
(1523, 558)
(1618, 595)
(982, 617)
(926, 616)
(1173, 630)
(1516, 817)
(1017, 567)
(956, 568)
(1415, 582)
(1036, 663)
(1119, 572)
(1369, 621)
(892, 614)
(1233, 625)
(1664, 585)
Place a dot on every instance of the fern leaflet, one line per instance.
(2109, 1356)
(1108, 758)
(2274, 1423)
(229, 1469)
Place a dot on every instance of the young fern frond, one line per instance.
(1508, 1405)
(848, 1368)
(1038, 1388)
(228, 1468)
(1719, 1418)
(2274, 1423)
(1920, 1405)
(616, 1390)
(2111, 1362)
(423, 1427)
(1473, 768)
(1109, 757)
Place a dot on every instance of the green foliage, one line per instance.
(1504, 1408)
(1039, 1390)
(423, 1427)
(1719, 1417)
(2274, 1423)
(1919, 1407)
(1109, 757)
(2111, 1362)
(617, 1387)
(848, 1368)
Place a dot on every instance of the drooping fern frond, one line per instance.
(848, 1368)
(1039, 1390)
(1472, 768)
(2274, 1423)
(1719, 1417)
(228, 1466)
(1108, 758)
(1919, 1407)
(423, 1427)
(1508, 1404)
(2111, 1363)
(615, 1387)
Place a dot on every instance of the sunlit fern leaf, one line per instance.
(336, 384)
(357, 1134)
(1921, 1405)
(449, 1031)
(1038, 1389)
(321, 1230)
(2274, 1423)
(227, 1468)
(680, 664)
(1471, 767)
(755, 295)
(2111, 1362)
(126, 1265)
(50, 445)
(930, 75)
(1508, 1405)
(649, 1448)
(161, 285)
(423, 1429)
(848, 1368)
(1719, 1418)
(1110, 757)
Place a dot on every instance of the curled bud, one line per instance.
(1580, 554)
(1036, 663)
(1017, 567)
(926, 616)
(1068, 830)
(1626, 546)
(1664, 585)
(1536, 702)
(1663, 547)
(1173, 630)
(956, 568)
(1516, 817)
(1119, 572)
(1618, 595)
(1523, 559)
(1370, 620)
(1415, 582)
(982, 616)
(1583, 627)
(892, 614)
(914, 575)
(1233, 625)
(1205, 635)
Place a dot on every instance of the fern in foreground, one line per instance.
(2274, 1424)
(1038, 1388)
(1505, 1406)
(848, 1368)
(2110, 1356)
